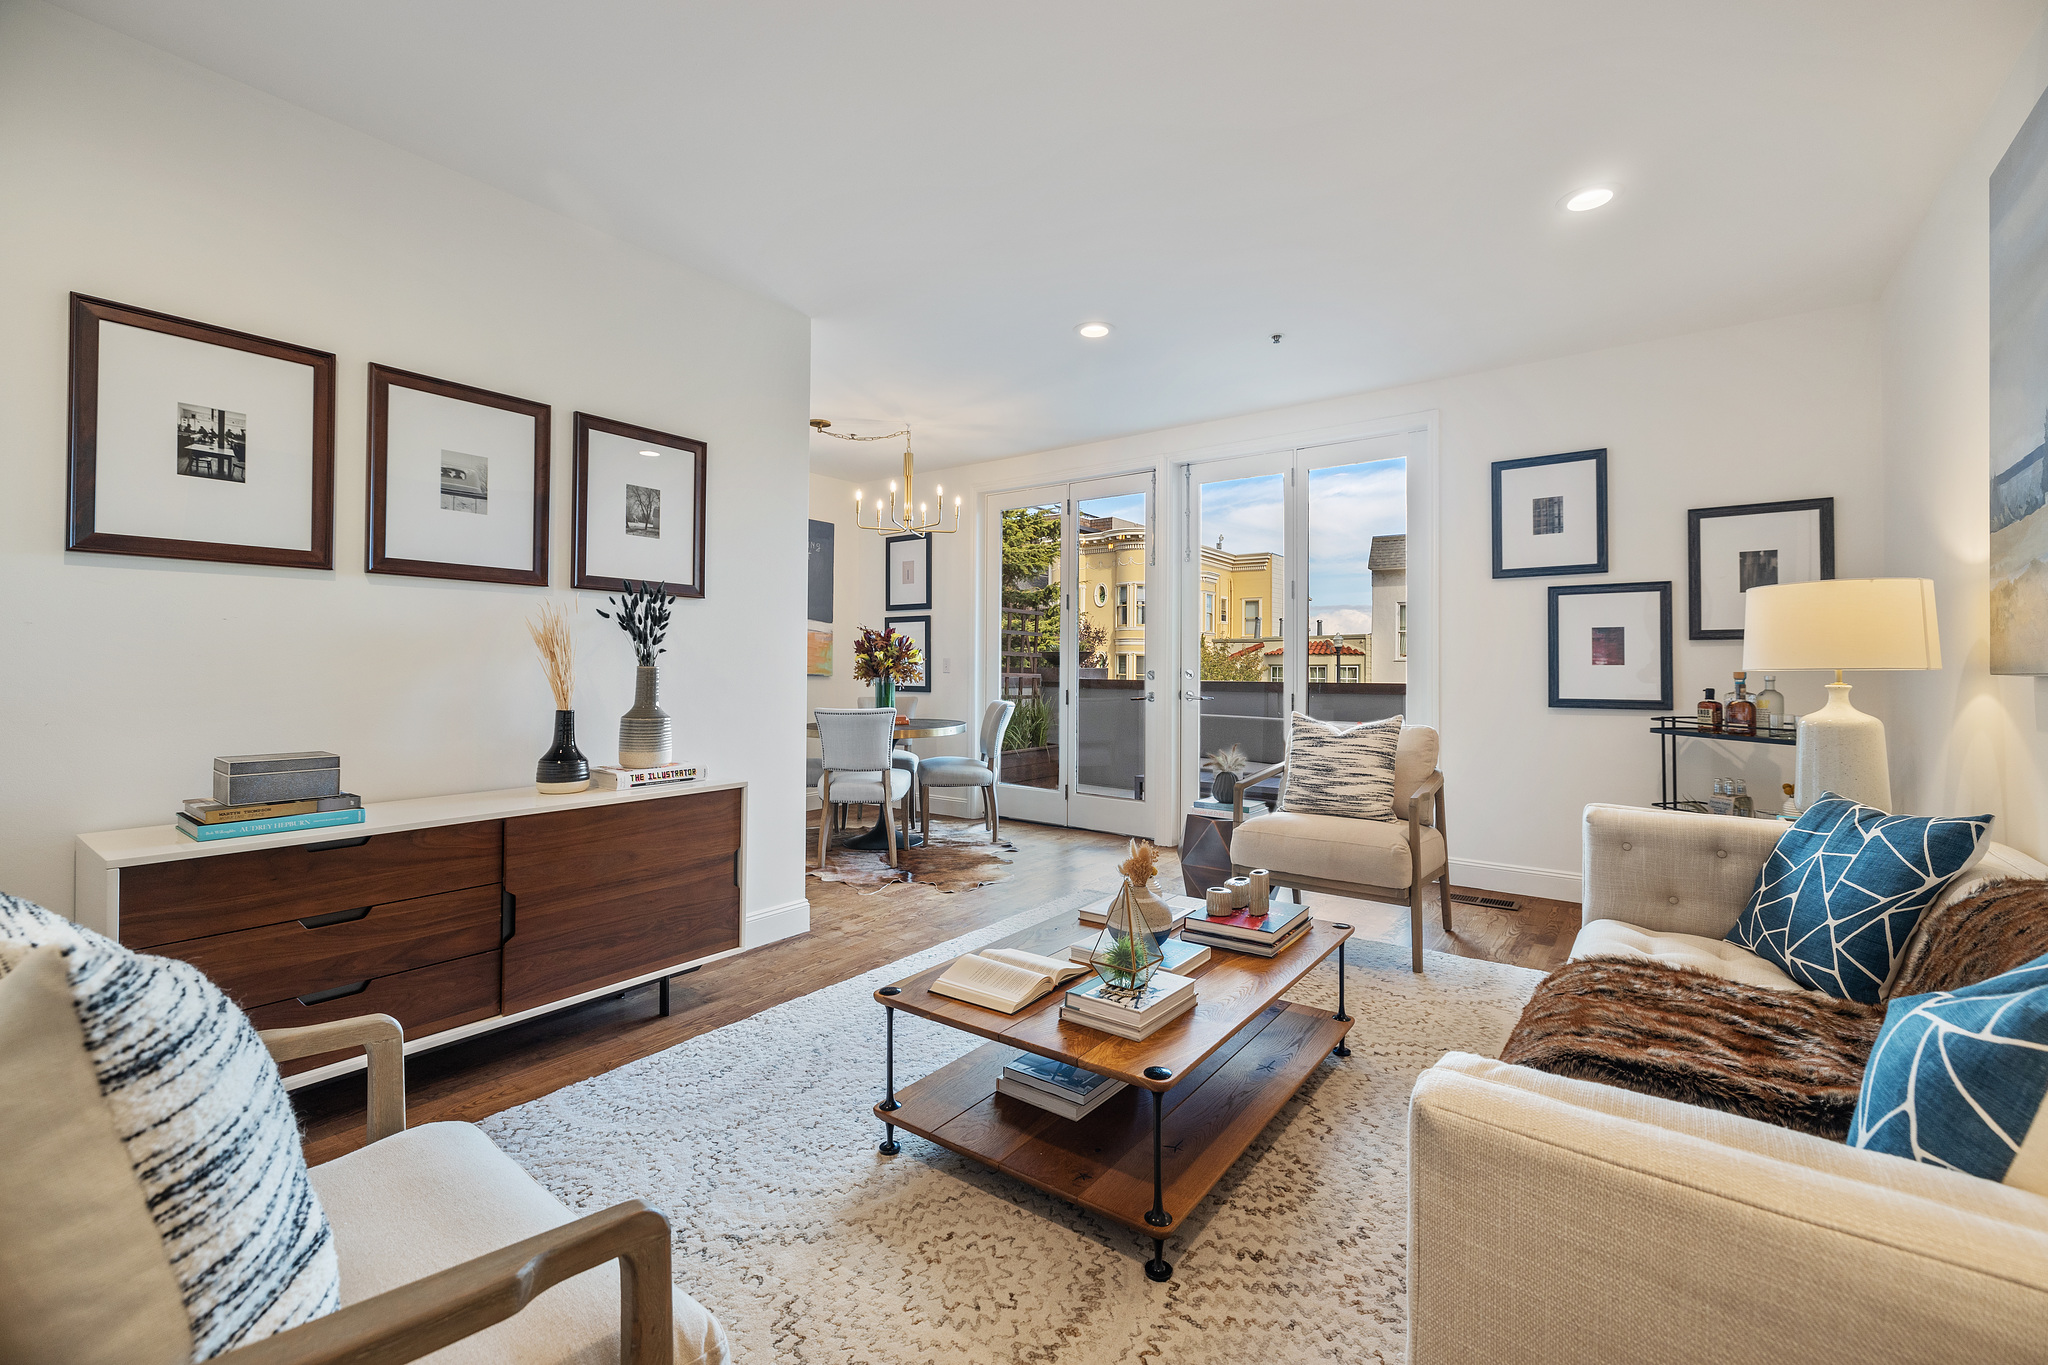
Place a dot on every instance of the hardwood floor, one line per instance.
(850, 933)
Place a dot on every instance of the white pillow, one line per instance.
(1341, 770)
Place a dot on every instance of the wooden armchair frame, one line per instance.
(1431, 794)
(416, 1319)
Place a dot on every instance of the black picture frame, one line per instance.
(890, 600)
(582, 576)
(1598, 459)
(923, 622)
(1663, 591)
(1695, 630)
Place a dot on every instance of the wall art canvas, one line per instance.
(191, 441)
(458, 484)
(639, 507)
(2019, 401)
(1550, 515)
(1610, 646)
(822, 536)
(1730, 550)
(918, 628)
(908, 563)
(818, 654)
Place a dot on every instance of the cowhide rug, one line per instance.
(959, 857)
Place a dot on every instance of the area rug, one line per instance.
(955, 858)
(758, 1140)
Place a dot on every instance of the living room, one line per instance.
(1190, 390)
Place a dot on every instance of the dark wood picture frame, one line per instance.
(81, 495)
(1693, 518)
(1663, 591)
(925, 647)
(889, 559)
(383, 378)
(581, 577)
(1598, 564)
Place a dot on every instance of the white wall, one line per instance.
(856, 593)
(140, 178)
(1787, 408)
(1962, 741)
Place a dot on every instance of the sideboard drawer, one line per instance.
(426, 1000)
(199, 897)
(304, 957)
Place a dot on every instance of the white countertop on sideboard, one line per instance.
(163, 844)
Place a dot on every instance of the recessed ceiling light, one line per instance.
(1589, 199)
(1093, 330)
(651, 454)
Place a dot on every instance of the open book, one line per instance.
(1005, 979)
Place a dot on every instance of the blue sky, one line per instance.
(1347, 506)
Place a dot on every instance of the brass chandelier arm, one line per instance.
(907, 516)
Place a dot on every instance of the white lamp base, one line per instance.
(1842, 750)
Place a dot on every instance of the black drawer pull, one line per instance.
(338, 917)
(337, 843)
(322, 997)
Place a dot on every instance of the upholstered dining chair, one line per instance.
(855, 745)
(904, 757)
(984, 772)
(1377, 860)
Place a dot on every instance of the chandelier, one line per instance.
(903, 515)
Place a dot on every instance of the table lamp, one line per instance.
(1841, 623)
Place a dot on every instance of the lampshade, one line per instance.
(1840, 623)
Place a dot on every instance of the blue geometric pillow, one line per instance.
(1957, 1080)
(1839, 896)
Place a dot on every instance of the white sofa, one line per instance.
(1562, 1220)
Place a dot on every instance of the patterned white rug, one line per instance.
(759, 1141)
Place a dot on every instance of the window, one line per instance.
(1208, 613)
(1139, 670)
(1318, 673)
(1348, 673)
(1140, 596)
(1251, 618)
(1276, 674)
(1123, 665)
(1224, 607)
(1123, 604)
(1401, 631)
(1102, 594)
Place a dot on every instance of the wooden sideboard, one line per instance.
(454, 914)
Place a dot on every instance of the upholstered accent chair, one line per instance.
(984, 771)
(1380, 860)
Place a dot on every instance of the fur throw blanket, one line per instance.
(2003, 926)
(1784, 1057)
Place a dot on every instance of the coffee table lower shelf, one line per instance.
(1105, 1162)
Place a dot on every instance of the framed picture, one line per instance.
(821, 570)
(1733, 549)
(818, 654)
(190, 441)
(639, 507)
(907, 561)
(1550, 515)
(1610, 646)
(458, 484)
(918, 628)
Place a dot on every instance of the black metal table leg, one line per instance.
(664, 997)
(1158, 1217)
(889, 1105)
(1342, 1049)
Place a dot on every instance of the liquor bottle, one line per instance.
(1743, 806)
(1770, 707)
(1741, 711)
(1710, 712)
(1790, 810)
(1724, 801)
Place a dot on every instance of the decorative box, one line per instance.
(240, 779)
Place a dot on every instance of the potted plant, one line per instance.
(886, 658)
(645, 737)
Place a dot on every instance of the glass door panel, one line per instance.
(1114, 687)
(1030, 533)
(1357, 524)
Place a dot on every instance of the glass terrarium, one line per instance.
(1127, 952)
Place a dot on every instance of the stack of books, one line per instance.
(632, 779)
(1175, 956)
(1135, 1015)
(1055, 1087)
(204, 820)
(1248, 931)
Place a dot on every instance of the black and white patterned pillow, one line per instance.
(208, 1128)
(1341, 770)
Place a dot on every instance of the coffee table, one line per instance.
(1215, 1078)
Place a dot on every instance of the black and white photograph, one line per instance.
(458, 483)
(918, 628)
(249, 423)
(1550, 515)
(213, 443)
(643, 511)
(907, 562)
(1730, 550)
(1610, 646)
(639, 507)
(465, 482)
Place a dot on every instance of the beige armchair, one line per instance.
(1380, 860)
(447, 1246)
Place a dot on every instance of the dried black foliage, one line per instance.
(642, 614)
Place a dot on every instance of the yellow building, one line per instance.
(1112, 594)
(1240, 597)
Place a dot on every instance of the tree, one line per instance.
(1031, 600)
(1221, 665)
(1092, 637)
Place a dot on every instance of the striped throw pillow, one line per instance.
(1341, 770)
(207, 1126)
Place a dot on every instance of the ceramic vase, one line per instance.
(1127, 952)
(563, 769)
(645, 740)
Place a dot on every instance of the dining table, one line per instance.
(907, 729)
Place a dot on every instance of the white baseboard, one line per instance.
(1523, 881)
(775, 922)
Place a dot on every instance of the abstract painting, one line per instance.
(2019, 401)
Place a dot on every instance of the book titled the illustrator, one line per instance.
(627, 779)
(243, 829)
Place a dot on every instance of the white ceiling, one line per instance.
(948, 189)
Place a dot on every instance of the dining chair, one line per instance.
(906, 758)
(854, 744)
(984, 772)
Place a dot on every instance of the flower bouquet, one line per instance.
(886, 658)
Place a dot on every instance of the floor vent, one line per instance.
(1489, 902)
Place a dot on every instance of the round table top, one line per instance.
(916, 727)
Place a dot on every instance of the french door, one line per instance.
(1068, 568)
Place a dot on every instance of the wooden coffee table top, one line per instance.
(1234, 990)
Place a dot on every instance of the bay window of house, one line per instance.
(1251, 618)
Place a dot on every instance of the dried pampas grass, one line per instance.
(551, 637)
(1143, 864)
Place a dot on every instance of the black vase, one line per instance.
(1223, 787)
(563, 769)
